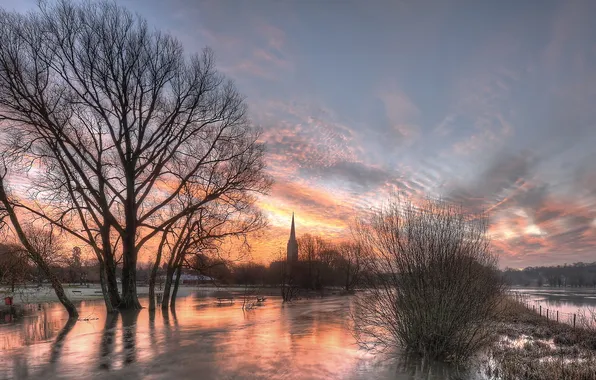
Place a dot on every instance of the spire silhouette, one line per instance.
(292, 253)
(292, 229)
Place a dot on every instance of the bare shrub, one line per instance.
(586, 318)
(431, 279)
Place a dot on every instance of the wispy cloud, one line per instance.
(491, 105)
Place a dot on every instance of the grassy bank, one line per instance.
(535, 348)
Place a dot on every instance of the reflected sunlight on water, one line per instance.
(566, 300)
(304, 340)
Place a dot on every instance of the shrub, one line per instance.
(432, 283)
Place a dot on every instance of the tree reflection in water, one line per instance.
(309, 339)
(55, 350)
(107, 341)
(129, 329)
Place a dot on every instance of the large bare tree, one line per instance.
(117, 122)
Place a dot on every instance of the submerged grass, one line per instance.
(535, 348)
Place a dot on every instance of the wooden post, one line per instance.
(547, 314)
(540, 310)
(557, 315)
(573, 319)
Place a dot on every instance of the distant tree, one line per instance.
(310, 248)
(576, 275)
(249, 274)
(350, 264)
(75, 266)
(14, 266)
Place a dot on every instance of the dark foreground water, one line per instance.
(304, 340)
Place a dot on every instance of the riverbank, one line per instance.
(535, 348)
(34, 294)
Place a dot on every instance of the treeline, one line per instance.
(574, 275)
(320, 264)
(17, 269)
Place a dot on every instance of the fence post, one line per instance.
(557, 316)
(540, 310)
(547, 314)
(573, 319)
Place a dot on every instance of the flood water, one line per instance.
(307, 339)
(567, 301)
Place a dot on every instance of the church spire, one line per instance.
(292, 229)
(292, 253)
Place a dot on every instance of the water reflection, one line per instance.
(566, 300)
(129, 324)
(107, 340)
(304, 340)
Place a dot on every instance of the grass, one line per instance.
(535, 348)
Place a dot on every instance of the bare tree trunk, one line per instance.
(110, 266)
(167, 286)
(35, 255)
(104, 289)
(176, 284)
(112, 282)
(153, 275)
(129, 269)
(152, 278)
(129, 283)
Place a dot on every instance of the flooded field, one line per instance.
(565, 300)
(308, 339)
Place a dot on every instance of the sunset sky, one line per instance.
(492, 105)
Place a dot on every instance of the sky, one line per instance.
(491, 104)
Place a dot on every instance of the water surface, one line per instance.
(567, 301)
(308, 339)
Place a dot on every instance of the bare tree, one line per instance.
(431, 279)
(204, 233)
(14, 266)
(39, 245)
(118, 122)
(350, 263)
(75, 266)
(310, 248)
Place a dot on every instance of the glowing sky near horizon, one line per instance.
(491, 104)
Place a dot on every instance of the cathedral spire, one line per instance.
(292, 253)
(292, 229)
